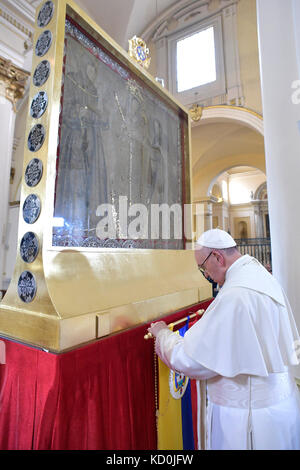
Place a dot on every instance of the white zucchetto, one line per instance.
(216, 238)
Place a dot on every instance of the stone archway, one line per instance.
(206, 174)
(233, 113)
(219, 115)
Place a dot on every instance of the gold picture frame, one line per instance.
(64, 296)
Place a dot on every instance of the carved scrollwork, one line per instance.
(12, 81)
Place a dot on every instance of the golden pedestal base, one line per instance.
(87, 296)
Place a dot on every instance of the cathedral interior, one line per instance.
(237, 125)
(229, 182)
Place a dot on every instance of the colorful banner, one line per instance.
(175, 414)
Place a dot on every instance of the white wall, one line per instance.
(237, 200)
(279, 40)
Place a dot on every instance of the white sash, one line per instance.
(247, 392)
(244, 390)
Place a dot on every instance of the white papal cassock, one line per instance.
(244, 346)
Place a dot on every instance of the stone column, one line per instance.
(258, 220)
(203, 209)
(12, 87)
(279, 39)
(207, 215)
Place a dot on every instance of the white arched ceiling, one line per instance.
(120, 19)
(221, 141)
(223, 113)
(234, 170)
(112, 16)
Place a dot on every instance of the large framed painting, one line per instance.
(120, 178)
(105, 202)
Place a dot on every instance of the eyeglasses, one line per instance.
(201, 267)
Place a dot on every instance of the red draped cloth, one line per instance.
(98, 396)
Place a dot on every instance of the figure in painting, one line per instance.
(137, 127)
(81, 176)
(157, 180)
(147, 167)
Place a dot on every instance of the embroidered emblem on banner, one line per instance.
(177, 384)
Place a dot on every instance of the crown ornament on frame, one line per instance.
(196, 112)
(139, 51)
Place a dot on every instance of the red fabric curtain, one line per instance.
(99, 396)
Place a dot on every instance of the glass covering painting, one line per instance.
(119, 176)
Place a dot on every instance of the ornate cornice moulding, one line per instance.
(17, 26)
(18, 14)
(183, 14)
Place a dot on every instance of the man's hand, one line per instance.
(156, 327)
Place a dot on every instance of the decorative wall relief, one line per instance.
(33, 172)
(31, 209)
(45, 14)
(41, 73)
(36, 137)
(27, 286)
(39, 104)
(43, 43)
(29, 247)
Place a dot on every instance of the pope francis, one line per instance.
(244, 347)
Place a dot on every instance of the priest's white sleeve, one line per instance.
(169, 347)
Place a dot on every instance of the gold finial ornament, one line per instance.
(139, 51)
(196, 112)
(12, 81)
